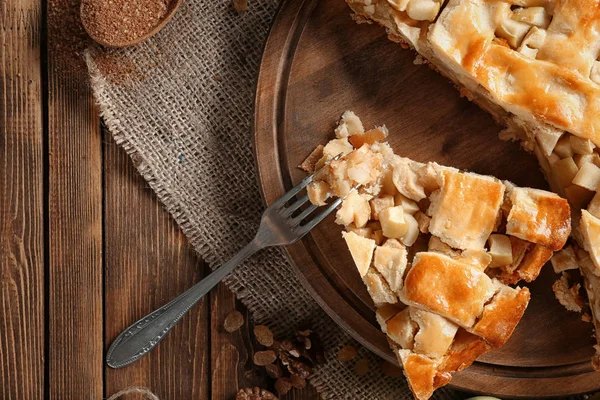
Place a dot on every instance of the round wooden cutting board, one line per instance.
(318, 63)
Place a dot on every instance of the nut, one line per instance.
(283, 385)
(263, 358)
(263, 335)
(298, 382)
(346, 353)
(233, 321)
(273, 370)
(295, 367)
(254, 394)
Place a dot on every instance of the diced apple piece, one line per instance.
(553, 158)
(594, 206)
(578, 196)
(563, 147)
(423, 10)
(588, 177)
(391, 264)
(318, 192)
(581, 159)
(361, 250)
(581, 146)
(564, 171)
(412, 230)
(500, 250)
(564, 260)
(354, 210)
(349, 125)
(536, 16)
(337, 146)
(378, 204)
(512, 31)
(393, 223)
(409, 206)
(547, 138)
(369, 137)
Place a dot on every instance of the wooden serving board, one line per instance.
(318, 63)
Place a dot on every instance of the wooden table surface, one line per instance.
(85, 246)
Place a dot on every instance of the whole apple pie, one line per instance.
(534, 65)
(436, 248)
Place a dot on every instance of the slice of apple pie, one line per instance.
(535, 65)
(436, 249)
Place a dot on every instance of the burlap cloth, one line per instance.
(181, 105)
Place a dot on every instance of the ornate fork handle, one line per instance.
(142, 336)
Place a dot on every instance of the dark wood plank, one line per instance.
(318, 63)
(231, 361)
(75, 214)
(21, 202)
(148, 262)
(231, 353)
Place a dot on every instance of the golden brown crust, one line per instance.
(463, 34)
(465, 349)
(539, 217)
(529, 268)
(369, 137)
(464, 212)
(533, 262)
(501, 315)
(444, 286)
(309, 163)
(420, 372)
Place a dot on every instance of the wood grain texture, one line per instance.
(318, 63)
(231, 353)
(75, 222)
(21, 202)
(149, 262)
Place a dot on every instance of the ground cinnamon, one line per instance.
(117, 22)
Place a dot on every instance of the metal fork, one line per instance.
(278, 227)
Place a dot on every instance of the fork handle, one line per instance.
(141, 337)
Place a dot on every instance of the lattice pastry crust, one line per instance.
(533, 64)
(436, 248)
